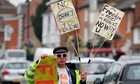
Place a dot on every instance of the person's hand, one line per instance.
(83, 76)
(43, 56)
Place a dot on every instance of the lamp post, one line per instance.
(28, 29)
(28, 18)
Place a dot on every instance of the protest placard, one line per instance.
(65, 16)
(46, 71)
(108, 22)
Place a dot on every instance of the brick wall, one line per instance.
(14, 37)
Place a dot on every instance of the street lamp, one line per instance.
(28, 18)
(28, 28)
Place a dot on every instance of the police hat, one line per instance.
(60, 49)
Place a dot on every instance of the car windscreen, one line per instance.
(16, 54)
(132, 72)
(95, 67)
(16, 66)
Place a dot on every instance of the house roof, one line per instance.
(6, 4)
(125, 4)
(120, 5)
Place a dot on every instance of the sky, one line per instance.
(16, 2)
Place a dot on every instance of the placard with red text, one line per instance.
(46, 71)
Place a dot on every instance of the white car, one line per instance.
(128, 57)
(2, 61)
(13, 71)
(96, 68)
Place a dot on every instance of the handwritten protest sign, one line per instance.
(108, 22)
(46, 71)
(65, 16)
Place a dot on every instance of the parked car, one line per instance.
(96, 68)
(15, 54)
(23, 81)
(2, 61)
(122, 72)
(13, 71)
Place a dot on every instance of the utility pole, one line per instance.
(28, 18)
(28, 29)
(94, 12)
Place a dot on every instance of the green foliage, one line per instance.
(117, 36)
(74, 40)
(1, 45)
(37, 19)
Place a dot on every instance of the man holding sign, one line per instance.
(64, 74)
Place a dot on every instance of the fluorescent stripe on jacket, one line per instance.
(29, 75)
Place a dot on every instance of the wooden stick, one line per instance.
(90, 58)
(77, 42)
(77, 54)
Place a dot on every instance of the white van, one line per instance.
(16, 54)
(40, 51)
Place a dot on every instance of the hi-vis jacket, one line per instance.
(29, 75)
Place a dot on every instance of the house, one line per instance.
(6, 10)
(135, 47)
(28, 30)
(50, 33)
(128, 28)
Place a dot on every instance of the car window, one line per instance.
(96, 68)
(132, 73)
(122, 58)
(112, 74)
(16, 54)
(16, 66)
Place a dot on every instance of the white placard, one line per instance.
(108, 22)
(65, 16)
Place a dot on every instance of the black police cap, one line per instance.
(60, 49)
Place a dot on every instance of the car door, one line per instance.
(112, 74)
(131, 74)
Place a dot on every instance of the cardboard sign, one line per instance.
(108, 22)
(65, 16)
(46, 71)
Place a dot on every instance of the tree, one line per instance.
(107, 43)
(116, 38)
(37, 19)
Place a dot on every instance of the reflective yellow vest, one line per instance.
(29, 74)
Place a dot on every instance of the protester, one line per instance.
(61, 58)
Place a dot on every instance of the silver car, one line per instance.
(122, 72)
(96, 68)
(13, 71)
(2, 61)
(23, 81)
